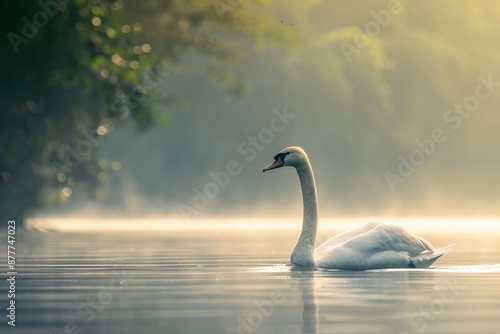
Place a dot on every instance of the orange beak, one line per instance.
(277, 164)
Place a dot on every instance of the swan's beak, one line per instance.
(277, 164)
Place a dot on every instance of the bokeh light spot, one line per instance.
(116, 165)
(137, 50)
(102, 177)
(66, 192)
(96, 21)
(61, 177)
(101, 130)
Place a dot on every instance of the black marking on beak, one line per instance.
(279, 161)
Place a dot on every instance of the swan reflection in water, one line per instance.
(303, 281)
(358, 301)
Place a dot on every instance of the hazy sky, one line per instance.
(406, 124)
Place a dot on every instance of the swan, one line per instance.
(375, 245)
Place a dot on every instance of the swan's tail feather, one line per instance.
(424, 260)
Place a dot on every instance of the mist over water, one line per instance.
(149, 224)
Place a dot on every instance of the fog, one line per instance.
(404, 126)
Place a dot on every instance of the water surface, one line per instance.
(239, 281)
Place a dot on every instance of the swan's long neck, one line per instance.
(304, 250)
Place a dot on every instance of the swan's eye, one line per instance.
(281, 155)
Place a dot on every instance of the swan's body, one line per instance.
(373, 246)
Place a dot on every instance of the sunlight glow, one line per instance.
(151, 225)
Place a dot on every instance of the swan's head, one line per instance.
(291, 156)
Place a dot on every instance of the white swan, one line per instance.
(373, 246)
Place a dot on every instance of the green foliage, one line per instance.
(76, 70)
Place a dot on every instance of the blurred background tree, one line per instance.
(74, 70)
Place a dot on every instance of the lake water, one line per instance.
(237, 280)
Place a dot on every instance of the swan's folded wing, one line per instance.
(385, 246)
(386, 237)
(347, 235)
